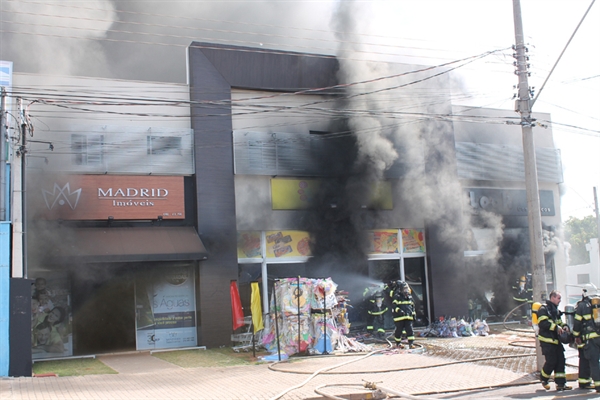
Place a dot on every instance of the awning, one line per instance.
(135, 244)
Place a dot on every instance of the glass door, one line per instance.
(416, 277)
(165, 308)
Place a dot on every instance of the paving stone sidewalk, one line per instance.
(446, 370)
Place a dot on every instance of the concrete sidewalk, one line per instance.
(133, 363)
(427, 375)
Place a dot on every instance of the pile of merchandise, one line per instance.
(311, 318)
(452, 327)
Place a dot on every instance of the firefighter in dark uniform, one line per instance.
(369, 295)
(523, 293)
(368, 301)
(551, 327)
(377, 311)
(403, 312)
(587, 338)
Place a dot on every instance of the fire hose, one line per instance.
(327, 371)
(372, 386)
(510, 313)
(318, 372)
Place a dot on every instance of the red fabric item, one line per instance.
(236, 306)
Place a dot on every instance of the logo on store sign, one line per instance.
(61, 196)
(177, 278)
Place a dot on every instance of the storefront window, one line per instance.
(414, 275)
(51, 317)
(165, 308)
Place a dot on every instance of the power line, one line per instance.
(227, 31)
(194, 20)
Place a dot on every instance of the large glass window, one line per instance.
(414, 275)
(394, 254)
(381, 271)
(164, 145)
(165, 308)
(87, 149)
(252, 272)
(51, 315)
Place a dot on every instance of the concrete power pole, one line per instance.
(3, 216)
(523, 106)
(22, 152)
(17, 216)
(534, 217)
(597, 217)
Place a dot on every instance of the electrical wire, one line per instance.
(195, 38)
(327, 89)
(300, 108)
(195, 20)
(313, 90)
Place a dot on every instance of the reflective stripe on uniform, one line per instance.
(544, 375)
(547, 340)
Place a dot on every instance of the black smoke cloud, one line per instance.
(148, 40)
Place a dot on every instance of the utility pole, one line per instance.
(23, 152)
(534, 217)
(597, 214)
(18, 236)
(3, 216)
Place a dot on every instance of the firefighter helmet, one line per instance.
(595, 300)
(403, 286)
(565, 337)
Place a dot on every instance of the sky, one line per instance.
(147, 40)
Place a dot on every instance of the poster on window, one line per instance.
(287, 244)
(51, 333)
(413, 241)
(165, 308)
(249, 244)
(383, 241)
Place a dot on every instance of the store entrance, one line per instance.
(380, 272)
(103, 310)
(414, 274)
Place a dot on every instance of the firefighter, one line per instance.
(403, 312)
(551, 327)
(587, 337)
(369, 295)
(377, 311)
(368, 301)
(523, 293)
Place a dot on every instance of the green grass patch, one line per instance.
(72, 367)
(217, 357)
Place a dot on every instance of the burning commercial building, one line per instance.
(291, 165)
(381, 184)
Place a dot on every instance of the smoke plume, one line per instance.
(148, 40)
